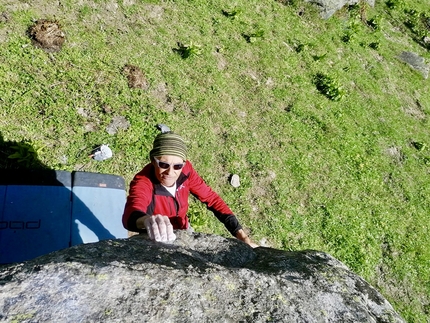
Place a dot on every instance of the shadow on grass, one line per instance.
(18, 155)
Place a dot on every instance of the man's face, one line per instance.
(167, 176)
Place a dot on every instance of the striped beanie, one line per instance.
(169, 143)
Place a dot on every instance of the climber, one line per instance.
(158, 197)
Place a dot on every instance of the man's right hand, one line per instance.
(158, 227)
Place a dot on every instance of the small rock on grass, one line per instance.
(235, 181)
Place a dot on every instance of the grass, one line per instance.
(331, 167)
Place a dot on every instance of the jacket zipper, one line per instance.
(177, 201)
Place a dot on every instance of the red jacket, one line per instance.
(148, 197)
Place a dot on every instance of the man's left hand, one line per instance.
(241, 235)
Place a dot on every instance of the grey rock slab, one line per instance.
(197, 278)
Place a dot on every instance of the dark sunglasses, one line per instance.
(164, 165)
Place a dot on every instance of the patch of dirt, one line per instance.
(90, 127)
(154, 12)
(4, 17)
(222, 63)
(396, 154)
(39, 8)
(161, 93)
(270, 82)
(128, 3)
(47, 34)
(88, 114)
(117, 123)
(254, 76)
(136, 78)
(415, 110)
(92, 121)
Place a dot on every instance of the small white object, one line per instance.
(102, 153)
(235, 182)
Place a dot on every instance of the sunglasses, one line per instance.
(164, 165)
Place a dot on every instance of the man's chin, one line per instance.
(168, 183)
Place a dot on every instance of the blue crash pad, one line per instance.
(46, 210)
(35, 213)
(97, 206)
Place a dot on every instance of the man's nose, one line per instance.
(170, 169)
